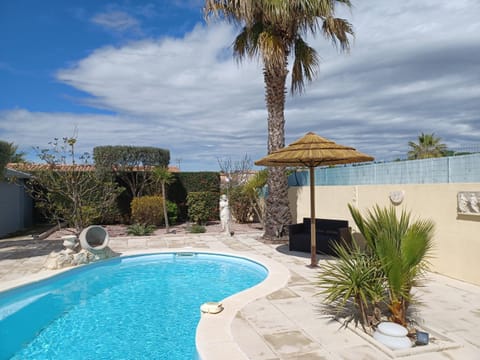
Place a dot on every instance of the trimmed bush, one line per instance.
(202, 206)
(147, 210)
(187, 182)
(130, 163)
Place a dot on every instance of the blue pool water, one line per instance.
(140, 307)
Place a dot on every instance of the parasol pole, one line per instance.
(313, 232)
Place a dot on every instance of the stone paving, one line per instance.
(289, 323)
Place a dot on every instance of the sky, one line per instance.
(154, 73)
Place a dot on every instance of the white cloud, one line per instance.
(413, 68)
(118, 21)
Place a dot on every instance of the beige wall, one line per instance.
(457, 237)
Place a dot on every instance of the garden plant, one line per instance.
(394, 260)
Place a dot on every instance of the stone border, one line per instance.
(214, 331)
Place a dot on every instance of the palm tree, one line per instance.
(164, 177)
(428, 146)
(273, 30)
(402, 248)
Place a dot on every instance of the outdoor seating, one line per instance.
(327, 232)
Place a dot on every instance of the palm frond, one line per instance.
(272, 49)
(305, 65)
(337, 30)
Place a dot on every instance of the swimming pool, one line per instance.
(138, 307)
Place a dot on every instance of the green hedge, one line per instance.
(187, 182)
(203, 206)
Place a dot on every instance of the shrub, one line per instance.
(140, 229)
(202, 206)
(71, 195)
(187, 182)
(240, 205)
(196, 229)
(147, 210)
(172, 212)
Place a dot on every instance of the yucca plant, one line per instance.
(140, 229)
(402, 248)
(355, 276)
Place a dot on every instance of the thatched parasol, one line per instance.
(312, 151)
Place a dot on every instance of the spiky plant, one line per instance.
(355, 276)
(402, 247)
(140, 229)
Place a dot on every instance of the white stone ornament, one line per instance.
(396, 197)
(392, 335)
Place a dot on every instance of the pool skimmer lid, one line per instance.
(211, 307)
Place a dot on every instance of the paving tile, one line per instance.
(361, 352)
(284, 293)
(314, 355)
(266, 318)
(156, 243)
(290, 342)
(137, 243)
(249, 340)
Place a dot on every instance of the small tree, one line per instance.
(164, 177)
(236, 172)
(254, 191)
(132, 164)
(71, 193)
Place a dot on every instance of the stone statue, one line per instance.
(225, 214)
(474, 203)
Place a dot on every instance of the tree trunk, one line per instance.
(165, 212)
(277, 207)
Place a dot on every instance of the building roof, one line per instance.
(11, 173)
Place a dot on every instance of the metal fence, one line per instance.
(454, 169)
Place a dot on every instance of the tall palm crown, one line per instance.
(273, 30)
(429, 146)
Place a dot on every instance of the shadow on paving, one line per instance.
(24, 248)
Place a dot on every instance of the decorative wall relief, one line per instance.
(468, 202)
(396, 197)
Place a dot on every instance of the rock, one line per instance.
(392, 335)
(392, 329)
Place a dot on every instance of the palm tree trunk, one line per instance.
(277, 210)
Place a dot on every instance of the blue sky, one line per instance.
(153, 73)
